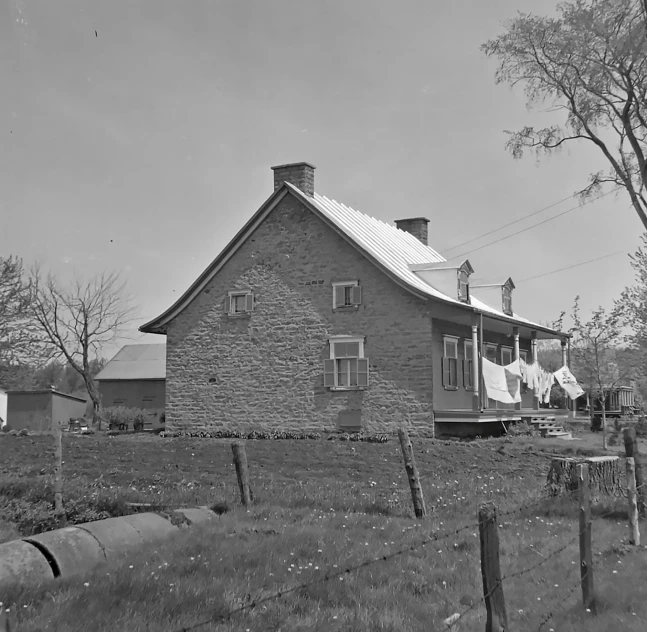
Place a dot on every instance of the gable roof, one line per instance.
(136, 362)
(389, 248)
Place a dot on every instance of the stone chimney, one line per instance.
(299, 174)
(417, 226)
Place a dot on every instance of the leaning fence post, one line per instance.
(631, 450)
(412, 473)
(57, 434)
(586, 555)
(634, 531)
(242, 472)
(497, 618)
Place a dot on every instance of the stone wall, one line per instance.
(265, 370)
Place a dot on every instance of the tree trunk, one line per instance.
(604, 424)
(96, 403)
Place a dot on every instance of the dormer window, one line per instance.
(464, 272)
(463, 286)
(506, 296)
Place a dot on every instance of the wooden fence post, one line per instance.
(59, 509)
(412, 473)
(631, 451)
(586, 555)
(240, 461)
(634, 531)
(497, 617)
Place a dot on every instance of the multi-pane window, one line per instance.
(506, 356)
(450, 362)
(490, 353)
(240, 302)
(347, 367)
(463, 285)
(346, 294)
(468, 366)
(507, 300)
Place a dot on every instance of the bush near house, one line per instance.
(122, 418)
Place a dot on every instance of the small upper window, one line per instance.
(506, 356)
(490, 352)
(523, 355)
(240, 302)
(507, 301)
(346, 294)
(463, 285)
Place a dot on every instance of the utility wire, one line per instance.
(523, 230)
(575, 265)
(516, 221)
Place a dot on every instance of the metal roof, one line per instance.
(136, 362)
(394, 250)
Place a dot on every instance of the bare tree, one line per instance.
(599, 362)
(79, 320)
(590, 62)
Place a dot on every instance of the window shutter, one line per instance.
(362, 372)
(356, 295)
(339, 296)
(249, 302)
(329, 373)
(453, 371)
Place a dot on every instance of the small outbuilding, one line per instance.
(135, 378)
(38, 410)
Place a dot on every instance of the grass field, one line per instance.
(321, 506)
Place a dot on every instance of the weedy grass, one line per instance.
(323, 507)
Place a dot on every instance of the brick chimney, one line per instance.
(299, 174)
(417, 226)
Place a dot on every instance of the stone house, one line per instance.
(317, 317)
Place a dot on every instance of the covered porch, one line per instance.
(497, 338)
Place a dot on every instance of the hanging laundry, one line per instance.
(568, 382)
(502, 382)
(547, 382)
(533, 374)
(523, 369)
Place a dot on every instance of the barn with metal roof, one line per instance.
(135, 378)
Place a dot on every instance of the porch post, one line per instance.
(573, 406)
(476, 369)
(515, 335)
(565, 363)
(533, 346)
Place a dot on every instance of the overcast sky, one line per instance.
(146, 146)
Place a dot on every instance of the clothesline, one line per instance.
(502, 383)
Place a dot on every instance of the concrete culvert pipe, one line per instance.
(115, 535)
(73, 550)
(150, 526)
(196, 514)
(23, 563)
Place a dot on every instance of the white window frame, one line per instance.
(359, 340)
(523, 355)
(488, 346)
(468, 343)
(239, 293)
(506, 292)
(466, 295)
(344, 284)
(511, 350)
(452, 339)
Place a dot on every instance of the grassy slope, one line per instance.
(323, 504)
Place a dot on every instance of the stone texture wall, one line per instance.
(265, 371)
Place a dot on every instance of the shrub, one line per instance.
(521, 429)
(115, 416)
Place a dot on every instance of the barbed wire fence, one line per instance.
(487, 521)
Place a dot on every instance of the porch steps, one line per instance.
(547, 427)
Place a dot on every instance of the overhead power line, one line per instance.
(516, 221)
(575, 265)
(523, 230)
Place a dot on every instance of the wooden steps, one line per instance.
(547, 427)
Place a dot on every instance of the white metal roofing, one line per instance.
(393, 248)
(136, 362)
